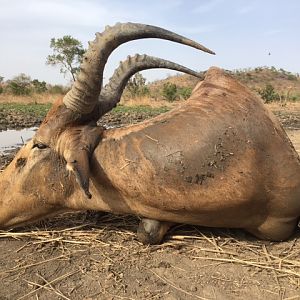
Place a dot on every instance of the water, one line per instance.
(11, 139)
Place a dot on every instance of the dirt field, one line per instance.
(96, 256)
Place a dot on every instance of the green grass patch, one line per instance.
(40, 110)
(32, 109)
(141, 109)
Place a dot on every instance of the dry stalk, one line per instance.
(270, 261)
(260, 265)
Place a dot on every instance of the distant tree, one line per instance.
(39, 86)
(57, 89)
(136, 86)
(1, 87)
(67, 53)
(20, 85)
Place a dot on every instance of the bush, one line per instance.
(268, 94)
(20, 85)
(57, 89)
(137, 87)
(169, 91)
(291, 77)
(39, 86)
(184, 92)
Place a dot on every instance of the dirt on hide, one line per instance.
(93, 255)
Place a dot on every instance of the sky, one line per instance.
(242, 33)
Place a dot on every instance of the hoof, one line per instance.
(151, 232)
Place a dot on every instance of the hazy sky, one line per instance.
(241, 32)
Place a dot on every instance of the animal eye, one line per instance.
(39, 146)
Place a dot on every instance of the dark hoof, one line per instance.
(149, 232)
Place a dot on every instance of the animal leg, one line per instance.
(274, 229)
(152, 231)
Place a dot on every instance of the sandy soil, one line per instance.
(96, 256)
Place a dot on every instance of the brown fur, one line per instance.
(221, 160)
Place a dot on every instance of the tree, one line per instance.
(39, 86)
(1, 87)
(20, 85)
(67, 53)
(136, 86)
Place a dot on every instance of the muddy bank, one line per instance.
(16, 120)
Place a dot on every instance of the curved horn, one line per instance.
(84, 93)
(112, 92)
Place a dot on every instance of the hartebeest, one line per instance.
(221, 159)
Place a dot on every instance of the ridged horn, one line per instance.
(111, 94)
(84, 93)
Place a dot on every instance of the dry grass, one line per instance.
(34, 98)
(287, 106)
(280, 260)
(148, 101)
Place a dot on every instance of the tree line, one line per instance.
(67, 54)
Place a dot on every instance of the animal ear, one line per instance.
(79, 147)
(78, 164)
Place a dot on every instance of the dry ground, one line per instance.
(96, 256)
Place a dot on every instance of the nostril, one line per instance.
(21, 162)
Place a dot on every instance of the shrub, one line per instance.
(184, 92)
(268, 94)
(169, 91)
(292, 77)
(20, 85)
(137, 87)
(57, 89)
(39, 86)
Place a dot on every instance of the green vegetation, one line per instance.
(39, 86)
(140, 109)
(37, 110)
(268, 94)
(172, 92)
(20, 85)
(57, 89)
(270, 83)
(40, 110)
(184, 92)
(1, 87)
(169, 91)
(137, 87)
(67, 54)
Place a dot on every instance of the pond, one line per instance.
(10, 139)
